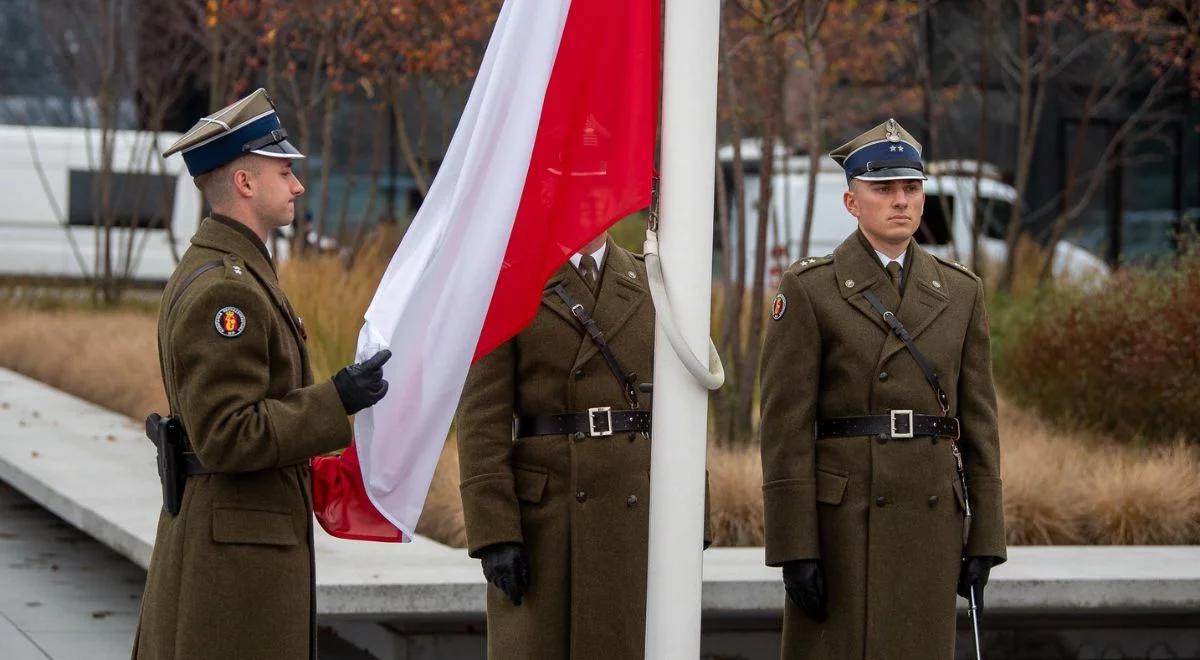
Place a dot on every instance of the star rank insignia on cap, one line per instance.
(778, 306)
(230, 322)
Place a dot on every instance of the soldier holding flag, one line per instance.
(232, 572)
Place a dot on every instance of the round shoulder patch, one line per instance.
(778, 306)
(230, 322)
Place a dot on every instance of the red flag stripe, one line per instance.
(593, 157)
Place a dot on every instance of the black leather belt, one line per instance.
(596, 422)
(193, 466)
(898, 424)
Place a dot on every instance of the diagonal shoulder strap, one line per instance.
(900, 331)
(175, 296)
(204, 268)
(626, 380)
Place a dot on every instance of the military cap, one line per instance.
(249, 126)
(884, 153)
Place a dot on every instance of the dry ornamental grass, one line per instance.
(108, 358)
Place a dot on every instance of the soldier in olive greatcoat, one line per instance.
(232, 571)
(554, 454)
(864, 437)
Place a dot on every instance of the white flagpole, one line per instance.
(685, 236)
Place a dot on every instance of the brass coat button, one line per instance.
(580, 497)
(577, 436)
(578, 374)
(881, 501)
(631, 501)
(883, 375)
(933, 501)
(882, 438)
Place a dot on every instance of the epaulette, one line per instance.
(954, 265)
(234, 267)
(808, 263)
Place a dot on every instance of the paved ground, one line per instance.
(64, 595)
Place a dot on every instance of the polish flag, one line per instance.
(555, 145)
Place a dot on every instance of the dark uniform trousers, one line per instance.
(885, 517)
(231, 576)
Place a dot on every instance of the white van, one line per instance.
(945, 226)
(48, 222)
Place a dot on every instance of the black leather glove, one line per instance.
(362, 385)
(507, 568)
(974, 573)
(804, 581)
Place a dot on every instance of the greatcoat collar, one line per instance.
(228, 235)
(621, 292)
(926, 290)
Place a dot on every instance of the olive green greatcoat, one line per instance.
(231, 576)
(579, 506)
(884, 517)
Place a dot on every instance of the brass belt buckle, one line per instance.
(901, 415)
(605, 426)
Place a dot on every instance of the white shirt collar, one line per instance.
(885, 260)
(598, 255)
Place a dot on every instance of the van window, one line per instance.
(137, 200)
(996, 216)
(935, 226)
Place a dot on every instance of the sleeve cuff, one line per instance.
(490, 511)
(987, 524)
(790, 513)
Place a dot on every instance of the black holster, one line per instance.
(170, 440)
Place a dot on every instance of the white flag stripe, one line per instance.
(431, 304)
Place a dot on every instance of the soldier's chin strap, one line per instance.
(712, 375)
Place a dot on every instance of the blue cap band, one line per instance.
(229, 146)
(884, 154)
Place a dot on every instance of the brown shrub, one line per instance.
(1124, 358)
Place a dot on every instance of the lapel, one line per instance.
(926, 296)
(570, 280)
(621, 293)
(926, 292)
(216, 236)
(857, 271)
